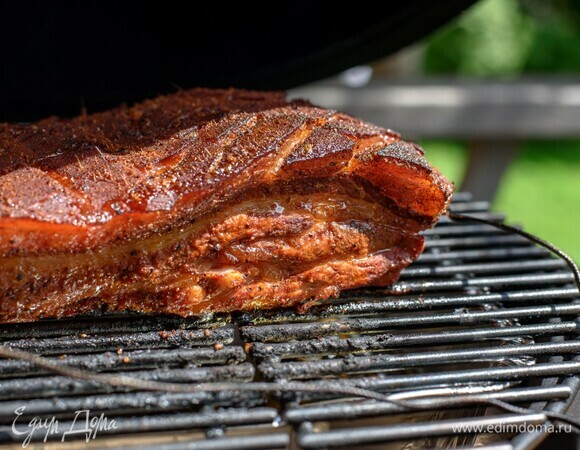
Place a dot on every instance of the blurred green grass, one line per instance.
(540, 190)
(507, 38)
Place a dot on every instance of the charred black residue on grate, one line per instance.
(482, 314)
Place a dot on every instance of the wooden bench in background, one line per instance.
(494, 117)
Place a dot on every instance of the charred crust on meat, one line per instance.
(205, 201)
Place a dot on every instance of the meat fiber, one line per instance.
(204, 201)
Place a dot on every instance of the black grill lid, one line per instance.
(57, 58)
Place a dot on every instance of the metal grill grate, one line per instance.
(482, 314)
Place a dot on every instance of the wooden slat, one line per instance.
(451, 108)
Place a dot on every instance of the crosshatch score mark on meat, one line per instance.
(205, 201)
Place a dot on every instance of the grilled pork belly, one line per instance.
(204, 201)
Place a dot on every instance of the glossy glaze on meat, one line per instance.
(205, 200)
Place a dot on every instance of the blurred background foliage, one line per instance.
(509, 38)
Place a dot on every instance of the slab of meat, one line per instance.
(202, 201)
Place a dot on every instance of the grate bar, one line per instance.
(137, 359)
(103, 325)
(355, 304)
(334, 344)
(488, 282)
(31, 387)
(462, 230)
(367, 435)
(483, 254)
(461, 377)
(99, 343)
(382, 304)
(382, 361)
(485, 268)
(352, 410)
(122, 403)
(309, 330)
(477, 241)
(493, 216)
(473, 206)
